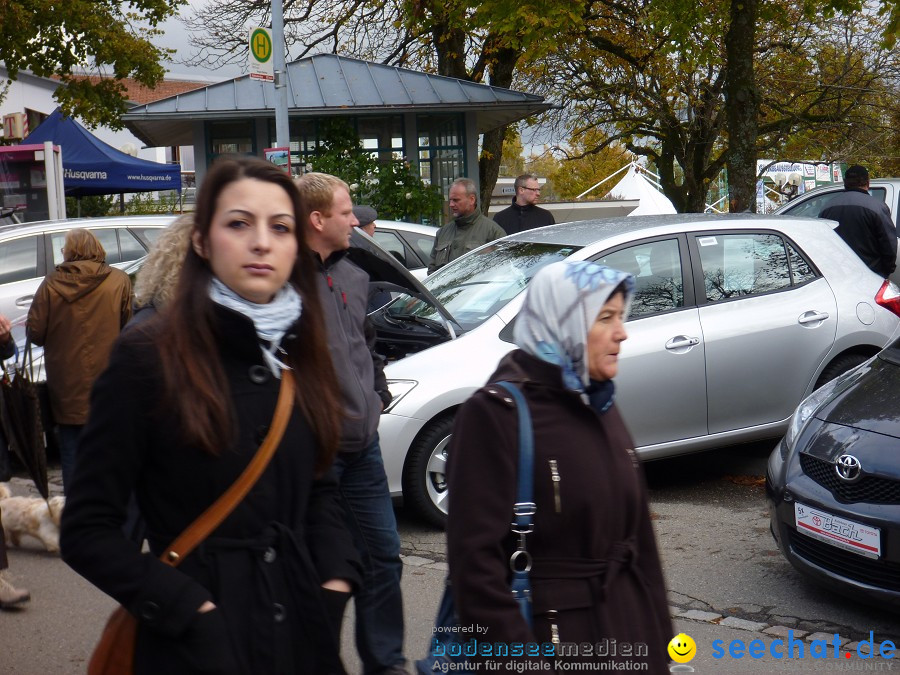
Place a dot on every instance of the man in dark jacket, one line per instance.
(864, 222)
(524, 214)
(343, 292)
(468, 231)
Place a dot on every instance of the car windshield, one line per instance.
(476, 287)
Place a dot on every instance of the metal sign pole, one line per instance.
(282, 130)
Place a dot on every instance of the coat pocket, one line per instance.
(562, 610)
(204, 649)
(442, 255)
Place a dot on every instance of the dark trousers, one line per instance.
(68, 444)
(370, 518)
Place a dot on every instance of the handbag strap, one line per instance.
(210, 519)
(27, 359)
(524, 508)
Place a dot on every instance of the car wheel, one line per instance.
(425, 472)
(839, 366)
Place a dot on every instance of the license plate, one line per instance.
(840, 532)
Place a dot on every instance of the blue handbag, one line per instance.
(447, 651)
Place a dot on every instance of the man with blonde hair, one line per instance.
(468, 231)
(328, 220)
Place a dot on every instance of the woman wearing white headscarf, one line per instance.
(596, 577)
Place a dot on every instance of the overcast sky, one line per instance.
(176, 36)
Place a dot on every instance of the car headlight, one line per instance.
(813, 402)
(399, 389)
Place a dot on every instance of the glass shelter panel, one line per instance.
(231, 137)
(442, 148)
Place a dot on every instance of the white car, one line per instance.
(30, 251)
(735, 320)
(409, 243)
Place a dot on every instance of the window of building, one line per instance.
(230, 138)
(442, 148)
(382, 135)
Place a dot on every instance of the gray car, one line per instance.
(735, 320)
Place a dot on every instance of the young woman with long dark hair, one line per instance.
(179, 413)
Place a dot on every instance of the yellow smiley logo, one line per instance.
(682, 648)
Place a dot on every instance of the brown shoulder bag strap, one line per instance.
(210, 519)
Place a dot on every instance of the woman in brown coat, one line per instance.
(76, 315)
(597, 585)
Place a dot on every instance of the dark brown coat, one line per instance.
(76, 315)
(597, 576)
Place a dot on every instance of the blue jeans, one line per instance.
(370, 518)
(68, 444)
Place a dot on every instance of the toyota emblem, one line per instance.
(848, 468)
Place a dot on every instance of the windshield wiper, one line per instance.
(436, 326)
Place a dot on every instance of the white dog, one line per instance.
(31, 516)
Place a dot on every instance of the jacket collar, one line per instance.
(331, 260)
(520, 366)
(465, 221)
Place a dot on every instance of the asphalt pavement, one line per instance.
(726, 582)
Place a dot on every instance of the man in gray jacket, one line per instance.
(468, 231)
(343, 291)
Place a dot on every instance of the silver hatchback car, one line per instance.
(734, 321)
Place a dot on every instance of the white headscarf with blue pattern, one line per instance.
(561, 305)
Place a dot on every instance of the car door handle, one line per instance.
(682, 341)
(812, 317)
(24, 301)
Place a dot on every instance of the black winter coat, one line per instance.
(262, 567)
(517, 218)
(864, 223)
(597, 578)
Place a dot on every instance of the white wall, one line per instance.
(36, 93)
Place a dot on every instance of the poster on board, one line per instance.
(280, 157)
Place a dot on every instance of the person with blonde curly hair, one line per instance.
(156, 281)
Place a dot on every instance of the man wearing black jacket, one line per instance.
(864, 222)
(524, 214)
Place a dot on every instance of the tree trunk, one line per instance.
(489, 164)
(741, 105)
(503, 65)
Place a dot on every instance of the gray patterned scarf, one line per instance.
(271, 320)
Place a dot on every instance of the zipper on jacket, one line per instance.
(555, 477)
(331, 288)
(554, 628)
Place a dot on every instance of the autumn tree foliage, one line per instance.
(660, 87)
(104, 37)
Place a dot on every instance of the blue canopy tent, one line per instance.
(92, 167)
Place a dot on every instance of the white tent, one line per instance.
(635, 185)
